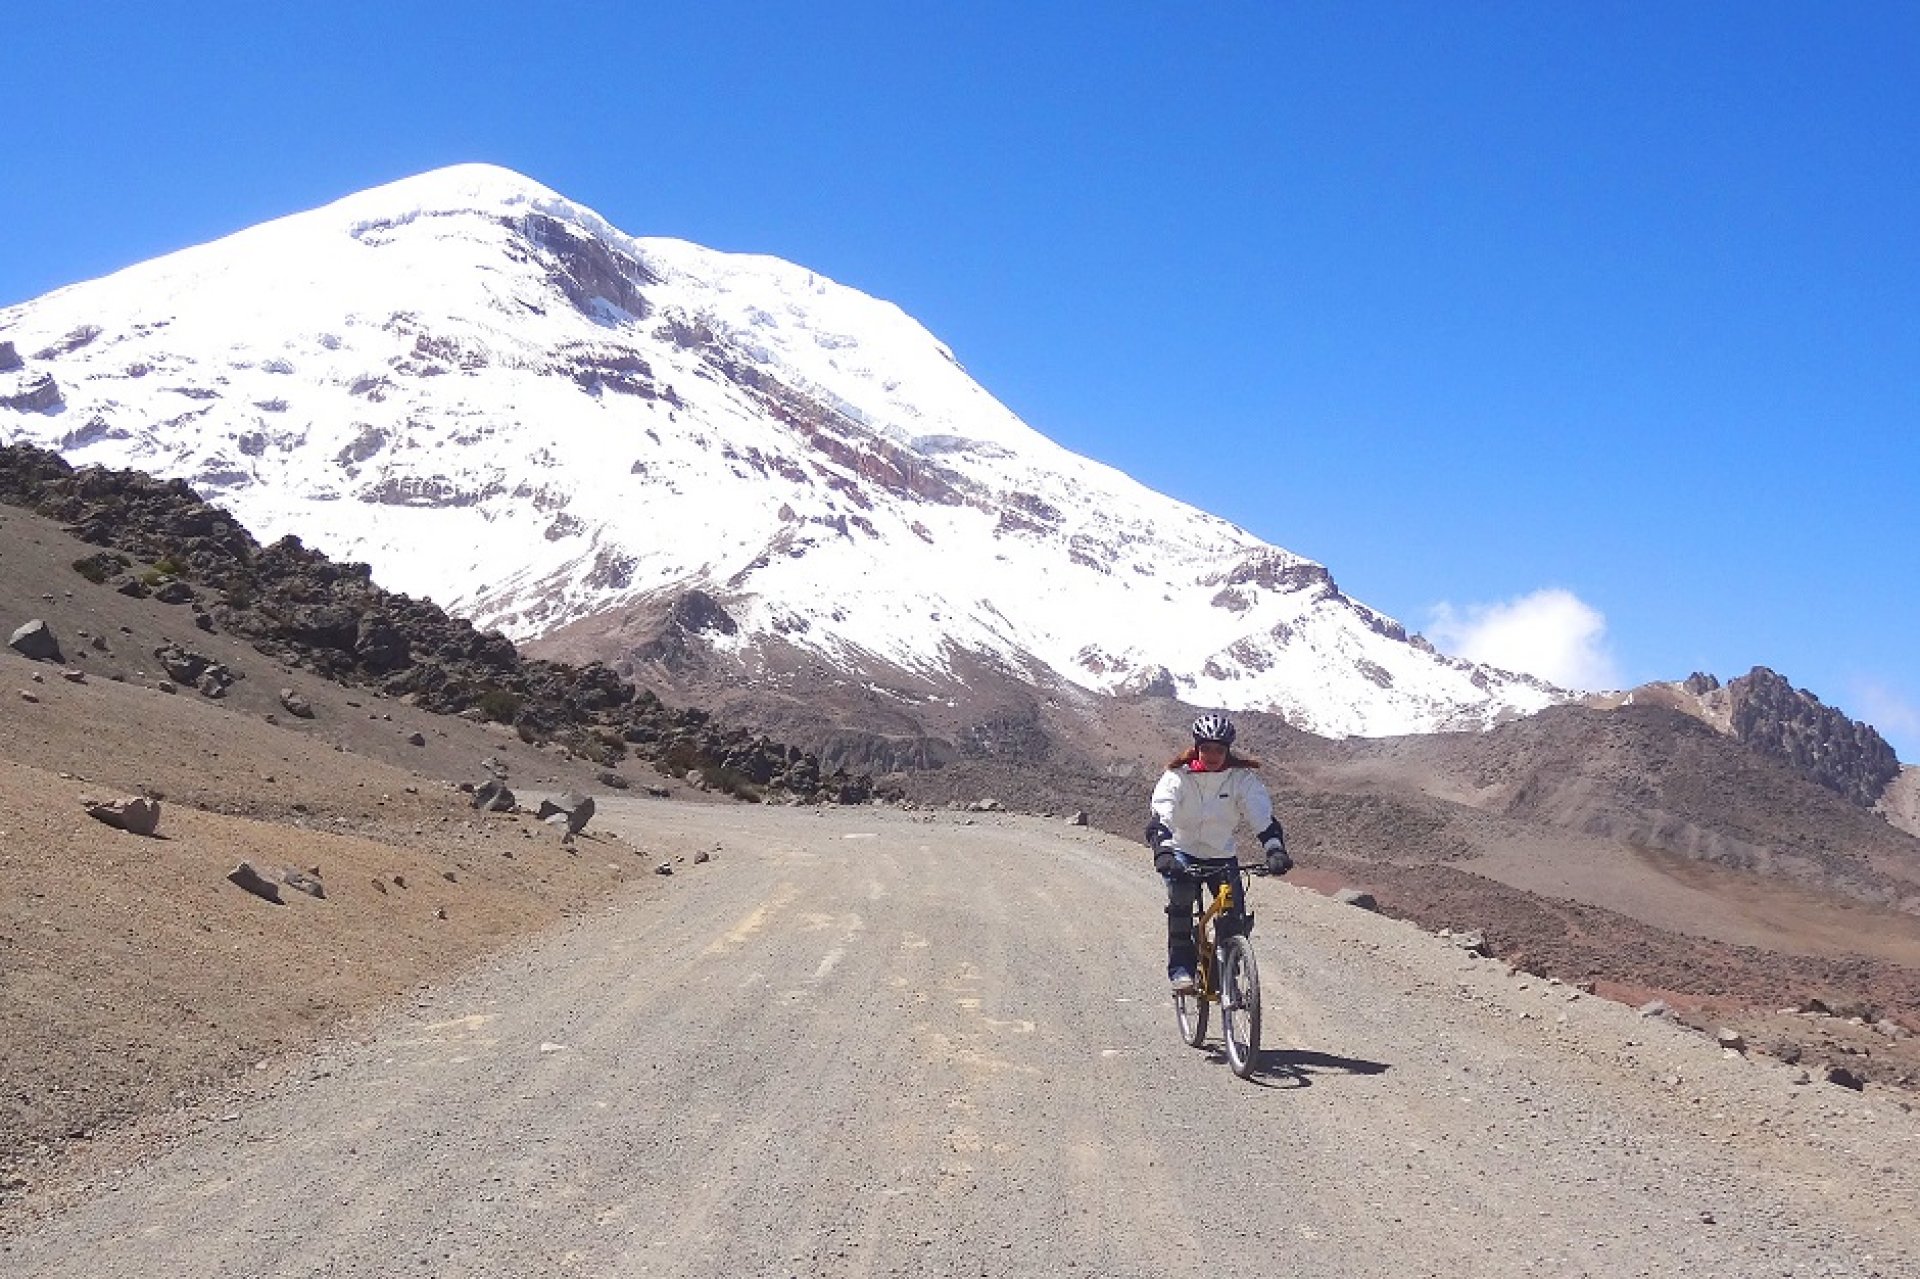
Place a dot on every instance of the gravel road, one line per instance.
(871, 1042)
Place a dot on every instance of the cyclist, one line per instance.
(1197, 806)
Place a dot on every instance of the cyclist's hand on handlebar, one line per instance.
(1278, 863)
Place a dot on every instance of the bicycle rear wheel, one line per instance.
(1240, 1005)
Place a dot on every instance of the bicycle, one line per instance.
(1226, 973)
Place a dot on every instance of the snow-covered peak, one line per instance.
(500, 401)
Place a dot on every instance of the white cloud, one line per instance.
(1552, 634)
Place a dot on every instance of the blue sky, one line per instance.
(1578, 336)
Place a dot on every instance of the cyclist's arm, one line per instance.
(1256, 805)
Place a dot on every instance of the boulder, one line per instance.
(568, 809)
(307, 882)
(182, 664)
(296, 704)
(1356, 897)
(493, 796)
(245, 876)
(1842, 1077)
(1471, 942)
(135, 814)
(36, 640)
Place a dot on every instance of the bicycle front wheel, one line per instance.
(1191, 1012)
(1240, 1005)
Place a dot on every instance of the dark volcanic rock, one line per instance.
(36, 640)
(37, 396)
(294, 604)
(673, 646)
(1815, 740)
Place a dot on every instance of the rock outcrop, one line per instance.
(1793, 726)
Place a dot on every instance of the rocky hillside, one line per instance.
(1764, 712)
(159, 538)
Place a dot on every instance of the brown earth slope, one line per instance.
(133, 975)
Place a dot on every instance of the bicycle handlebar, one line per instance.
(1203, 870)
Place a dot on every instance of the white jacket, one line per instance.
(1203, 810)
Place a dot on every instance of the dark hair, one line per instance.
(1192, 753)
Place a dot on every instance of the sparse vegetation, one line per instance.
(499, 705)
(97, 568)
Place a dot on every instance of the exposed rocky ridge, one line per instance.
(1792, 725)
(295, 604)
(1764, 712)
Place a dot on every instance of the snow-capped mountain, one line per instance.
(499, 401)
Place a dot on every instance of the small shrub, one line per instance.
(100, 566)
(499, 705)
(734, 783)
(678, 758)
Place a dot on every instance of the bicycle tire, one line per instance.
(1240, 1004)
(1190, 1011)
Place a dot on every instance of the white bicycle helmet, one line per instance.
(1213, 728)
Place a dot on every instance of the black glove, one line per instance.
(1278, 863)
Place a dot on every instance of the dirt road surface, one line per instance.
(863, 1042)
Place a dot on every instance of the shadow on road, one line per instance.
(1296, 1067)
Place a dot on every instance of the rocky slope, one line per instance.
(1765, 712)
(160, 539)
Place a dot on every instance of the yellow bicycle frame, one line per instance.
(1221, 903)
